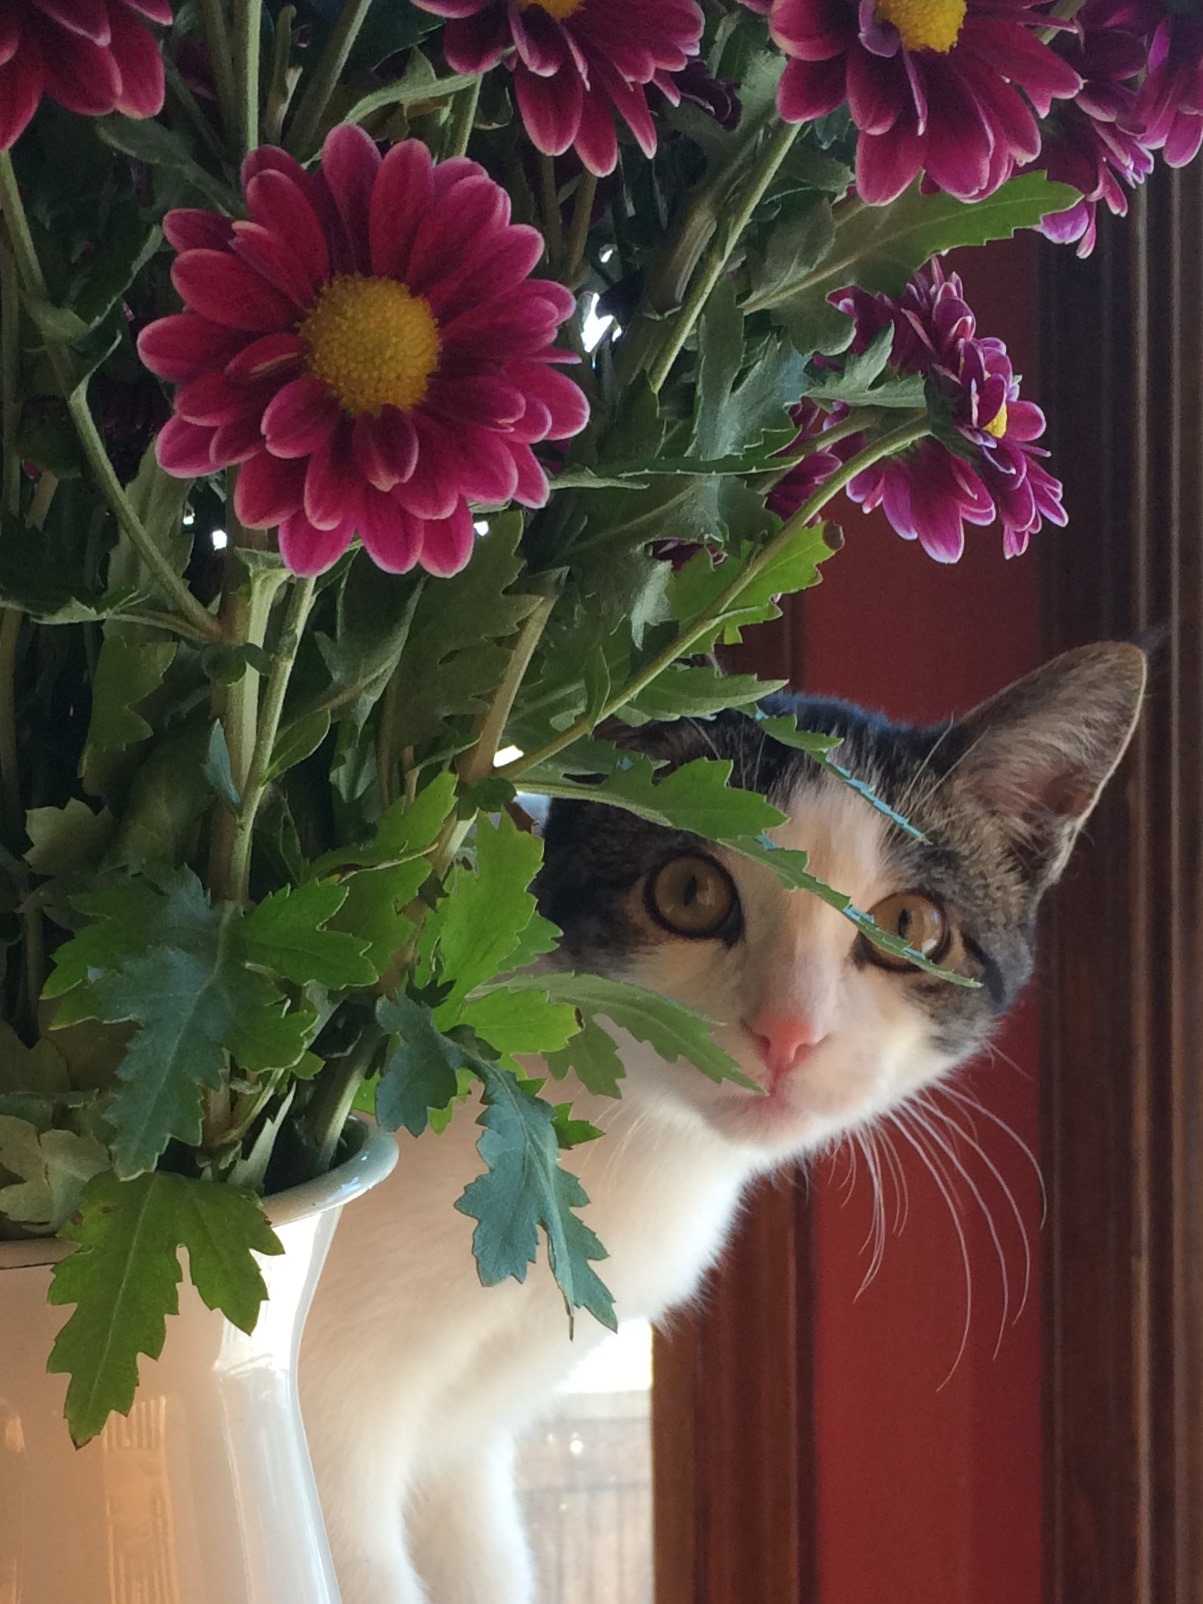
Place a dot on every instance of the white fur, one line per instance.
(415, 1379)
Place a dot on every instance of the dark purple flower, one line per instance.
(1171, 98)
(1096, 142)
(576, 63)
(814, 469)
(930, 492)
(932, 85)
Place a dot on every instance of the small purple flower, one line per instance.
(930, 492)
(1171, 97)
(814, 469)
(1097, 142)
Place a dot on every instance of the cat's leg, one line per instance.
(466, 1532)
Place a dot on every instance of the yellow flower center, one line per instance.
(372, 342)
(998, 423)
(925, 24)
(559, 9)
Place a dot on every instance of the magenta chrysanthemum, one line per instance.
(932, 85)
(930, 492)
(1097, 142)
(370, 348)
(92, 56)
(1171, 98)
(576, 63)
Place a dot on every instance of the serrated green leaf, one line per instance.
(285, 934)
(50, 1170)
(689, 690)
(865, 380)
(571, 1132)
(421, 1072)
(127, 673)
(740, 408)
(673, 1030)
(123, 1279)
(38, 1069)
(406, 830)
(374, 910)
(67, 838)
(820, 747)
(478, 925)
(524, 1189)
(697, 587)
(593, 1057)
(519, 1022)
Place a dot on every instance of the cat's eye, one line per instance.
(693, 896)
(915, 919)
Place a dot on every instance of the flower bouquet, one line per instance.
(398, 401)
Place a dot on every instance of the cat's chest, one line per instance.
(662, 1199)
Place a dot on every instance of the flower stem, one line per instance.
(578, 234)
(478, 761)
(553, 231)
(76, 397)
(10, 363)
(299, 603)
(217, 37)
(463, 118)
(720, 253)
(302, 133)
(247, 29)
(887, 446)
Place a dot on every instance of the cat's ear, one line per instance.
(1037, 755)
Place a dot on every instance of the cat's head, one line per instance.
(834, 1032)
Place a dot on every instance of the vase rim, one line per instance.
(372, 1154)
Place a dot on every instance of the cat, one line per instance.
(414, 1378)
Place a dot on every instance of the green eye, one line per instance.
(915, 919)
(692, 896)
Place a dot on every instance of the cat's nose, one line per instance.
(784, 1040)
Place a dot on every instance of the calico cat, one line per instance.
(414, 1378)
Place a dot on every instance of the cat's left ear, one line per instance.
(1037, 755)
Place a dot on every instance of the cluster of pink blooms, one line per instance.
(368, 347)
(931, 491)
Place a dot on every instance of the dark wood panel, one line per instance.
(1121, 376)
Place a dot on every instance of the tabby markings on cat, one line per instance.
(415, 1379)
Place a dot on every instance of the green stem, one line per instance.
(299, 602)
(283, 78)
(478, 761)
(247, 30)
(715, 264)
(75, 395)
(887, 446)
(334, 1095)
(553, 232)
(10, 757)
(578, 233)
(217, 37)
(302, 134)
(10, 365)
(186, 101)
(463, 119)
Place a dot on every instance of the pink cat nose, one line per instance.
(785, 1039)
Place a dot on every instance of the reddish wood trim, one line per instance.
(1122, 371)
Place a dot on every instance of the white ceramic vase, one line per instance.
(204, 1493)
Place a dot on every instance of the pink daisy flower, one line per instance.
(92, 56)
(369, 347)
(576, 63)
(930, 492)
(1171, 97)
(932, 85)
(1097, 142)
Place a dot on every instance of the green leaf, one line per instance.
(572, 1132)
(866, 381)
(285, 934)
(695, 691)
(593, 1057)
(67, 838)
(421, 1072)
(478, 925)
(297, 741)
(697, 587)
(406, 830)
(374, 912)
(820, 747)
(50, 1170)
(124, 1276)
(127, 673)
(520, 1022)
(524, 1189)
(739, 414)
(150, 142)
(217, 770)
(38, 1069)
(879, 247)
